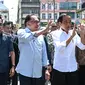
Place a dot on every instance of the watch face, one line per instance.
(77, 22)
(13, 65)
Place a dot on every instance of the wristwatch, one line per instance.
(13, 66)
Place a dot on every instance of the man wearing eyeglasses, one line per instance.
(33, 55)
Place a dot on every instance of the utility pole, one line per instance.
(47, 10)
(54, 9)
(39, 9)
(68, 7)
(67, 1)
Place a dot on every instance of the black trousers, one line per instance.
(30, 81)
(3, 78)
(81, 72)
(67, 78)
(15, 79)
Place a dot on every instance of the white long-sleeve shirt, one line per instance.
(64, 56)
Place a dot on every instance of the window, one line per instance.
(43, 16)
(4, 11)
(78, 15)
(5, 16)
(49, 5)
(55, 5)
(79, 6)
(26, 10)
(25, 0)
(68, 5)
(2, 2)
(55, 15)
(43, 6)
(83, 5)
(72, 14)
(34, 11)
(49, 16)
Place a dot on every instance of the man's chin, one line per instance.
(36, 29)
(69, 28)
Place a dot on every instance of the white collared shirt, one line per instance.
(64, 56)
(33, 54)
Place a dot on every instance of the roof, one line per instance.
(3, 7)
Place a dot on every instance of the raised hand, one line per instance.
(48, 27)
(74, 31)
(81, 30)
(49, 23)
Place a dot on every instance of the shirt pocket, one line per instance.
(4, 41)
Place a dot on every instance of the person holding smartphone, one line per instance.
(65, 40)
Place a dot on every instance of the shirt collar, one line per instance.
(63, 31)
(27, 29)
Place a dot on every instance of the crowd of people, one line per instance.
(33, 56)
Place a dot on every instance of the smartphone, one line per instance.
(77, 22)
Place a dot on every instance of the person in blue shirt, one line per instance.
(33, 55)
(6, 49)
(8, 29)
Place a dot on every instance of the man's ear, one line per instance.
(28, 23)
(64, 21)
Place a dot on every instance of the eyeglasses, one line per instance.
(69, 21)
(54, 26)
(34, 21)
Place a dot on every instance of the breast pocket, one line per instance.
(38, 45)
(4, 41)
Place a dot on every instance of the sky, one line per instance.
(12, 5)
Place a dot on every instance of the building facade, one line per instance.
(26, 7)
(52, 9)
(4, 12)
(83, 8)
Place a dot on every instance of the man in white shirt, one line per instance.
(65, 65)
(33, 55)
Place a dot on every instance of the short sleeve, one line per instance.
(10, 44)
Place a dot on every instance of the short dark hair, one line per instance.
(60, 19)
(28, 18)
(8, 23)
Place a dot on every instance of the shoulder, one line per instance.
(6, 35)
(56, 33)
(20, 31)
(41, 37)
